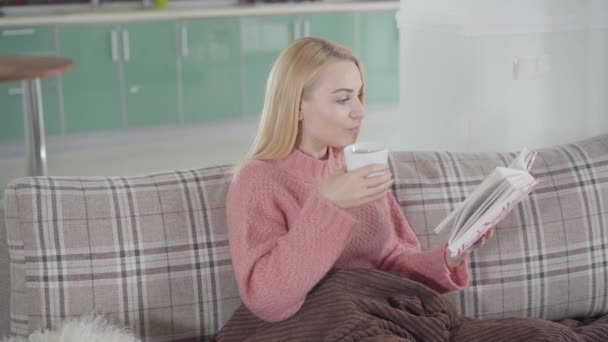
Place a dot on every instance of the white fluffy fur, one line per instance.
(88, 328)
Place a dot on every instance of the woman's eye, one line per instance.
(344, 100)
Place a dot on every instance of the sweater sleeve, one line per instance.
(429, 266)
(276, 264)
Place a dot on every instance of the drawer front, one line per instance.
(23, 40)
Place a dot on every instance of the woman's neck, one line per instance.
(315, 152)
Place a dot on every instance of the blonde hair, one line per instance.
(291, 77)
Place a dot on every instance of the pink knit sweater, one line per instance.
(285, 236)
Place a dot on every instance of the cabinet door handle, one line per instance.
(306, 28)
(125, 45)
(19, 32)
(15, 91)
(114, 40)
(185, 47)
(296, 29)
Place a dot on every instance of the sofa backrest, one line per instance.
(152, 251)
(548, 257)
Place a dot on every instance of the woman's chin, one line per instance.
(343, 143)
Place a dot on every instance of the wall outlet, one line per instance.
(530, 67)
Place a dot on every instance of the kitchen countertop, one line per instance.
(108, 15)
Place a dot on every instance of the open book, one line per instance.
(491, 201)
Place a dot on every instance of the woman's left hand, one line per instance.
(453, 262)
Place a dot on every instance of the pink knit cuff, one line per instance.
(448, 278)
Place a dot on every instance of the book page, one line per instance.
(476, 210)
(479, 199)
(477, 195)
(511, 182)
(490, 218)
(497, 194)
(524, 160)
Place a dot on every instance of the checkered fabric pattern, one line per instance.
(549, 256)
(151, 252)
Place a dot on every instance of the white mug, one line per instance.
(361, 154)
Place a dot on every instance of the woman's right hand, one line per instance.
(355, 188)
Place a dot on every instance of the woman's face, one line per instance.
(330, 112)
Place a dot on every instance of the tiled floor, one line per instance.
(138, 151)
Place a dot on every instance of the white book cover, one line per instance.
(491, 201)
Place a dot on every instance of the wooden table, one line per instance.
(29, 70)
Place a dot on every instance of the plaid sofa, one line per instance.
(152, 253)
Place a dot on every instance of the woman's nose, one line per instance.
(357, 113)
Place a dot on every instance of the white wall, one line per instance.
(458, 88)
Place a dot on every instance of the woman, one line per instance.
(294, 213)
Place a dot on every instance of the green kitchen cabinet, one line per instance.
(149, 54)
(30, 40)
(159, 72)
(210, 68)
(51, 104)
(379, 53)
(11, 114)
(12, 111)
(262, 39)
(91, 91)
(124, 76)
(27, 40)
(338, 27)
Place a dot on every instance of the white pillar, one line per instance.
(492, 75)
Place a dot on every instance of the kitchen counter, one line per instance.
(109, 15)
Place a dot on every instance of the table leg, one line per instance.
(34, 128)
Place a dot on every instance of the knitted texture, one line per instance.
(285, 236)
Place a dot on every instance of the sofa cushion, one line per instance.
(151, 252)
(549, 256)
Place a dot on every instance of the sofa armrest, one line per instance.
(5, 286)
(14, 244)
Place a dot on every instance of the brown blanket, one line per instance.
(371, 305)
